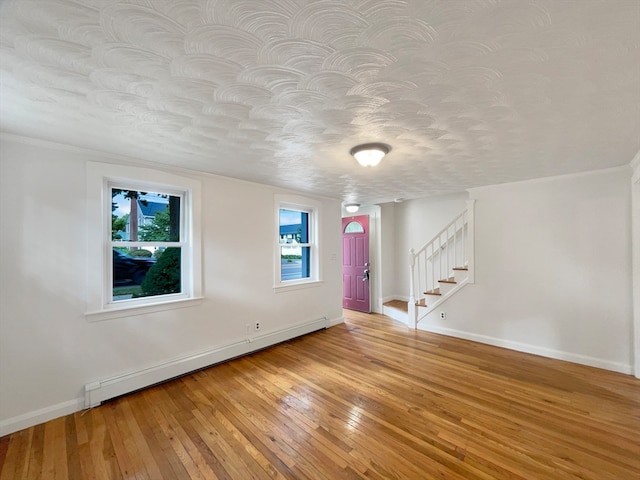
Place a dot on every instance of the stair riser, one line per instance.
(446, 287)
(460, 275)
(396, 314)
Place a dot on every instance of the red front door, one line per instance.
(355, 263)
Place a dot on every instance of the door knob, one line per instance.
(365, 276)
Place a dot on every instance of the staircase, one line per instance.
(439, 269)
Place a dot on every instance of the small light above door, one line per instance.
(352, 207)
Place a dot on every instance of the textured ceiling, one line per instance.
(467, 92)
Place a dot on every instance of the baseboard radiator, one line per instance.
(97, 392)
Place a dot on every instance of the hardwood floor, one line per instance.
(367, 399)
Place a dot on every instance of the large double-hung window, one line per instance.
(143, 241)
(147, 241)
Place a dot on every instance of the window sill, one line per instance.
(297, 286)
(133, 310)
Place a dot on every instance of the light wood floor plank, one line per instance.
(368, 399)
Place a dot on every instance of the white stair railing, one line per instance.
(450, 248)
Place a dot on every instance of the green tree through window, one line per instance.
(156, 227)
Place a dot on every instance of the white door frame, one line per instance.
(635, 252)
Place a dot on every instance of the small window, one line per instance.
(354, 227)
(297, 249)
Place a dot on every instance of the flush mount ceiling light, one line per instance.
(352, 207)
(370, 154)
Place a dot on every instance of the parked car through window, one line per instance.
(129, 269)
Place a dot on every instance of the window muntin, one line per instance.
(157, 216)
(147, 237)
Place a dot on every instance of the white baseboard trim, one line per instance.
(404, 298)
(97, 392)
(42, 415)
(533, 349)
(335, 321)
(391, 297)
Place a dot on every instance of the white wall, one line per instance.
(635, 238)
(416, 223)
(49, 351)
(553, 270)
(388, 250)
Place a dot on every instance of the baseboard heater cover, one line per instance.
(97, 392)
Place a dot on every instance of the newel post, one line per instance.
(411, 306)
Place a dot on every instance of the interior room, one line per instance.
(410, 191)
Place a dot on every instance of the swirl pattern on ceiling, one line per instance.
(467, 92)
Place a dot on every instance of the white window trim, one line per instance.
(296, 202)
(100, 176)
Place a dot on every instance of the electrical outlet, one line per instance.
(443, 316)
(257, 326)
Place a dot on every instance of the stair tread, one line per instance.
(421, 303)
(435, 291)
(461, 268)
(448, 280)
(397, 304)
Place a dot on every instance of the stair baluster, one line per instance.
(425, 282)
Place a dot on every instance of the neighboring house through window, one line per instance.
(148, 262)
(147, 208)
(144, 240)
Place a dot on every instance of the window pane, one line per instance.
(354, 227)
(135, 276)
(294, 262)
(294, 226)
(144, 216)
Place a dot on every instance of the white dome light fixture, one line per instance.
(370, 154)
(352, 207)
